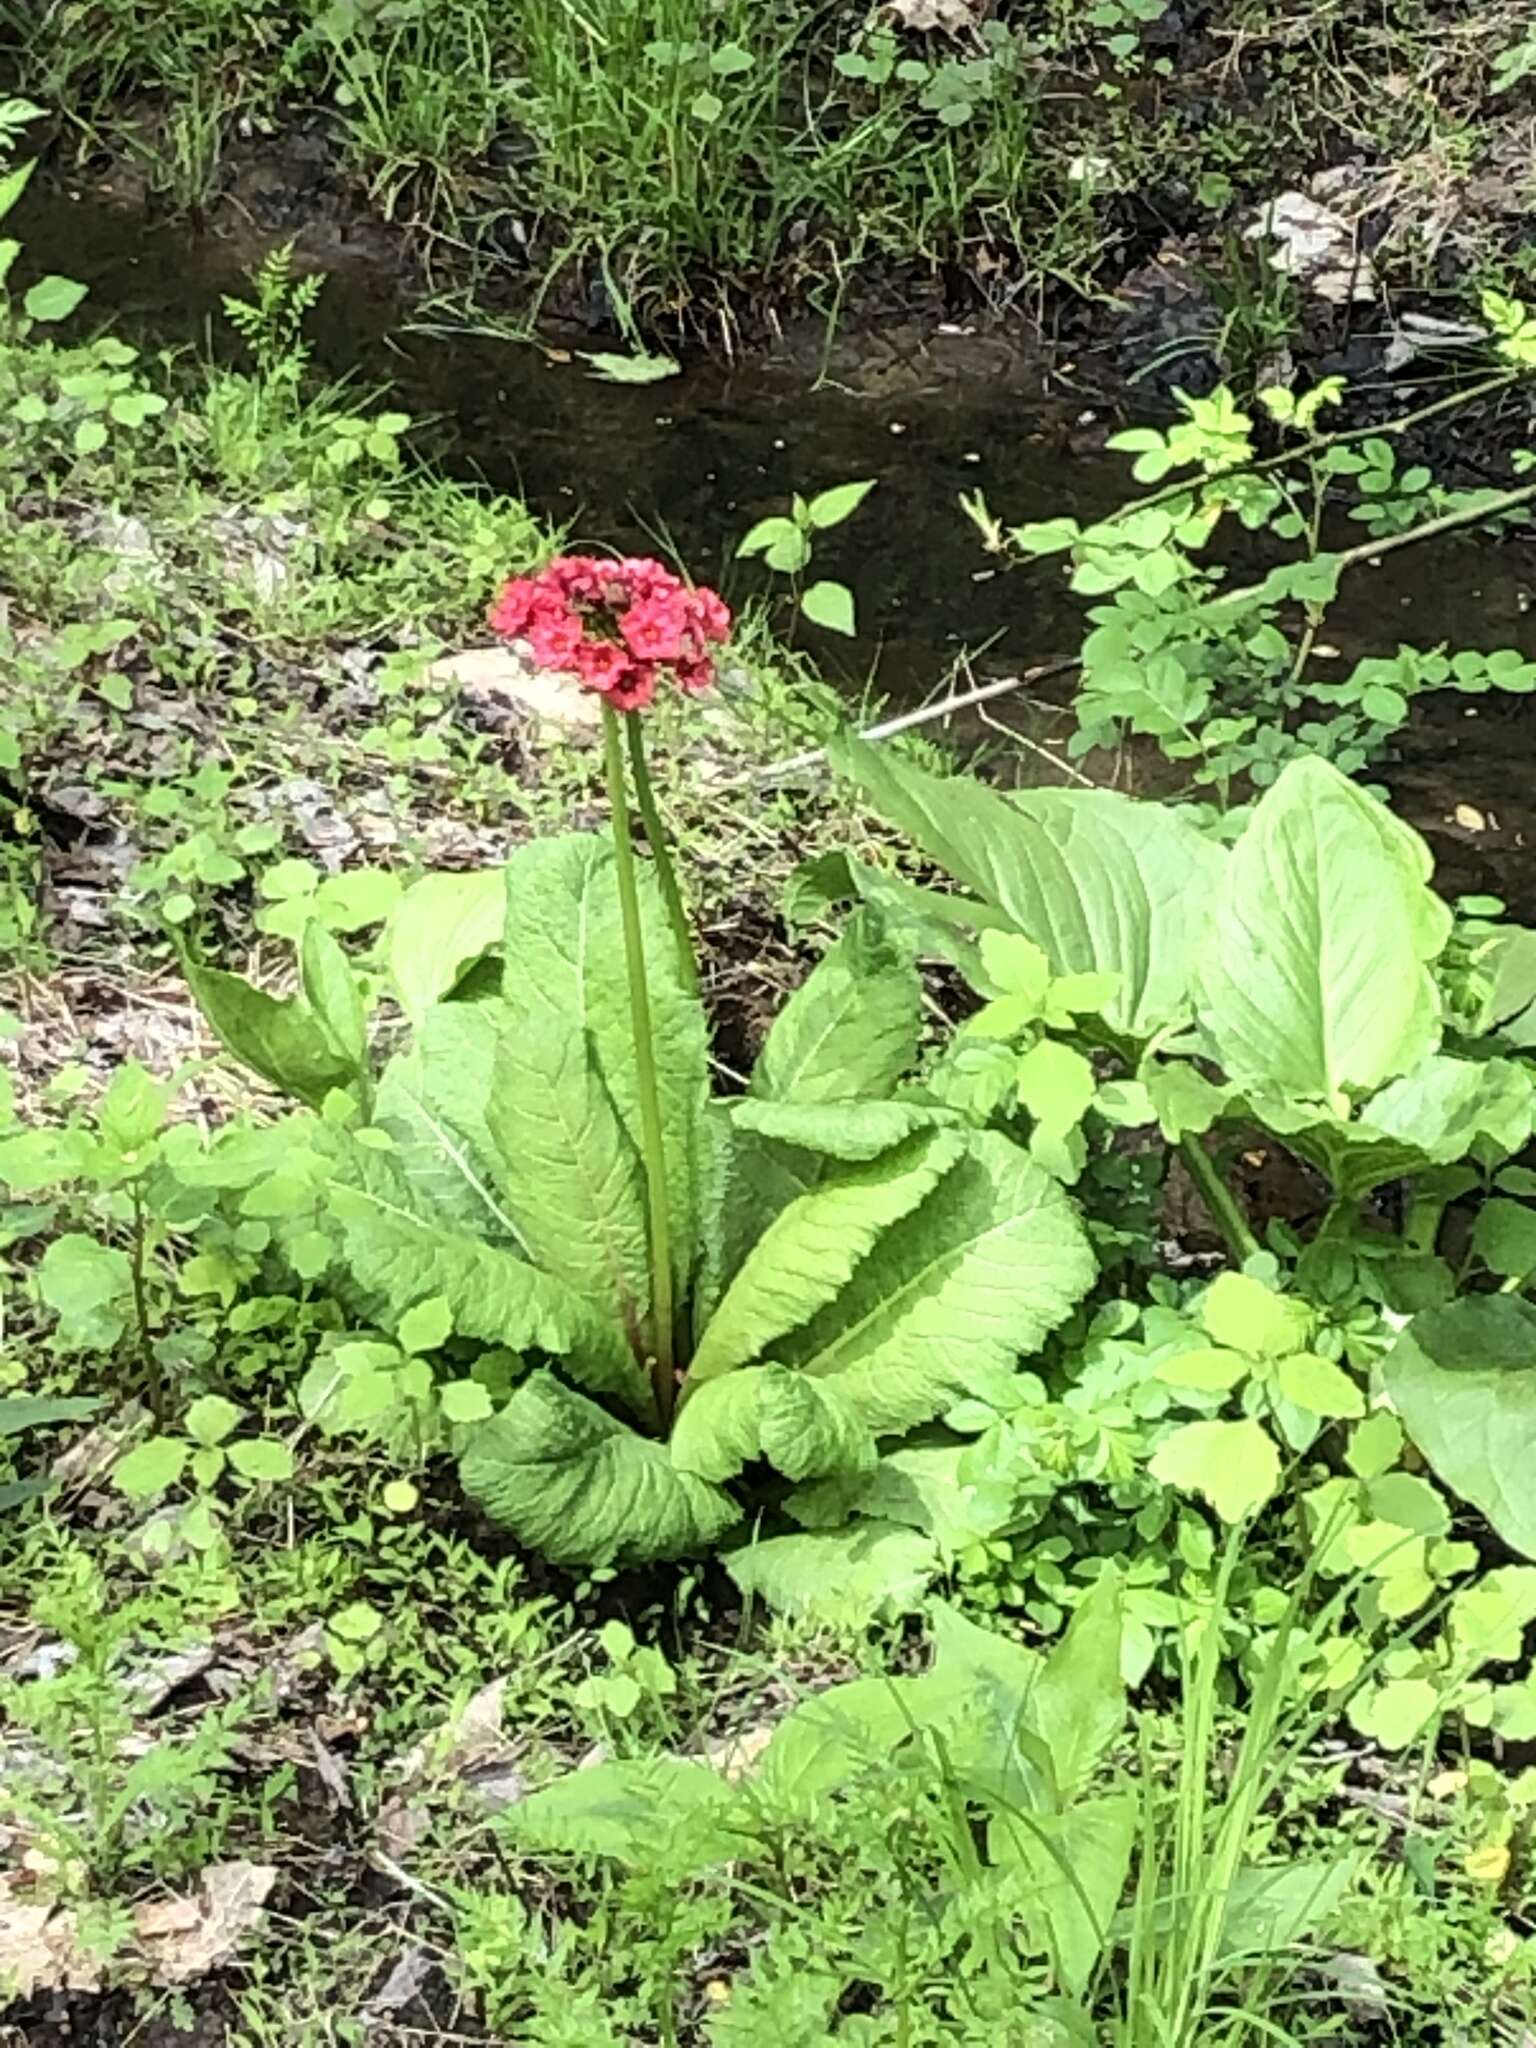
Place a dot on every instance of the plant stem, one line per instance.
(661, 853)
(645, 1073)
(1220, 1202)
(154, 1379)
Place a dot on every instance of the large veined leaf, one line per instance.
(1463, 1379)
(432, 1099)
(974, 1276)
(577, 1486)
(843, 1577)
(407, 1256)
(1313, 979)
(571, 1173)
(438, 930)
(1099, 882)
(837, 1130)
(851, 1028)
(799, 1424)
(812, 1248)
(565, 954)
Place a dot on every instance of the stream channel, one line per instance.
(687, 465)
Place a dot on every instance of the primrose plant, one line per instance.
(661, 1291)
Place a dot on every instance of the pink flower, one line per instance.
(619, 627)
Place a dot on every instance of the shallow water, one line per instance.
(688, 464)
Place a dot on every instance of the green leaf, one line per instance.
(1504, 1237)
(1313, 978)
(797, 1423)
(279, 1038)
(86, 1284)
(14, 183)
(570, 1173)
(812, 1248)
(659, 1812)
(851, 1028)
(1318, 1385)
(1463, 1380)
(636, 369)
(1396, 1713)
(465, 1401)
(404, 1255)
(211, 1418)
(830, 605)
(771, 533)
(334, 995)
(831, 508)
(262, 1460)
(1077, 1704)
(849, 1131)
(1233, 1464)
(580, 1488)
(441, 927)
(22, 1412)
(53, 298)
(1067, 1871)
(976, 1275)
(1101, 883)
(152, 1467)
(1245, 1315)
(565, 955)
(1271, 1908)
(1211, 1371)
(426, 1327)
(432, 1101)
(844, 1578)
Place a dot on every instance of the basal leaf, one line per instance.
(976, 1275)
(432, 1099)
(441, 927)
(843, 1577)
(1103, 884)
(571, 1175)
(396, 1250)
(1063, 1875)
(812, 1249)
(1463, 1380)
(1077, 1704)
(1313, 979)
(837, 1130)
(797, 1423)
(580, 1488)
(565, 955)
(850, 1030)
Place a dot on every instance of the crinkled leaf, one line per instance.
(1102, 883)
(1313, 979)
(812, 1248)
(577, 1486)
(989, 1263)
(406, 1256)
(843, 1577)
(797, 1423)
(850, 1030)
(838, 1130)
(432, 1099)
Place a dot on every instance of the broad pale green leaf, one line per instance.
(1463, 1379)
(812, 1249)
(830, 605)
(838, 1130)
(1318, 1385)
(334, 994)
(1245, 1315)
(640, 1811)
(565, 954)
(797, 1423)
(1063, 1875)
(1233, 1464)
(277, 1037)
(850, 1030)
(842, 1577)
(1313, 979)
(1077, 1704)
(441, 927)
(407, 1256)
(580, 1488)
(432, 1100)
(86, 1284)
(851, 1730)
(152, 1467)
(976, 1275)
(927, 1487)
(1103, 884)
(53, 298)
(571, 1176)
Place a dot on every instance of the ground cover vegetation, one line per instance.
(677, 158)
(646, 1405)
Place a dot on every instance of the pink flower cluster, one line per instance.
(618, 626)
